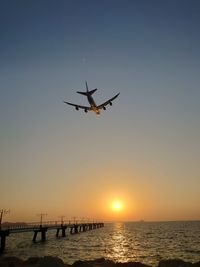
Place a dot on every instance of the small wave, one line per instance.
(96, 246)
(192, 251)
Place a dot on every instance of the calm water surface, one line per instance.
(147, 242)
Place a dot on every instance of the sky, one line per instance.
(143, 152)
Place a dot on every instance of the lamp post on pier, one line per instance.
(61, 218)
(2, 213)
(41, 217)
(74, 219)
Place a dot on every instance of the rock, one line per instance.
(101, 262)
(131, 264)
(107, 263)
(32, 260)
(49, 261)
(174, 263)
(11, 262)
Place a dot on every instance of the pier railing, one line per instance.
(45, 223)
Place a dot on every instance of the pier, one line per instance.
(41, 230)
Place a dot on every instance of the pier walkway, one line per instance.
(60, 228)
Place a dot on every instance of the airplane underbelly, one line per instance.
(91, 101)
(93, 105)
(95, 109)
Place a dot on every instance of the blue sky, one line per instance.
(144, 150)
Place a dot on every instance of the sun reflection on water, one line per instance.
(120, 246)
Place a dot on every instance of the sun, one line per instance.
(117, 206)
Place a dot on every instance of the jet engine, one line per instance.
(110, 103)
(86, 111)
(77, 108)
(104, 108)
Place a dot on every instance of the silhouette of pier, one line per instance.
(42, 229)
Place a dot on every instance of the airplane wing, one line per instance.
(108, 102)
(78, 106)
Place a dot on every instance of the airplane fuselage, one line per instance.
(93, 104)
(91, 100)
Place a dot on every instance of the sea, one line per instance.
(146, 242)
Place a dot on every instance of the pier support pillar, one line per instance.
(43, 231)
(63, 231)
(57, 232)
(35, 236)
(43, 236)
(71, 230)
(76, 229)
(3, 234)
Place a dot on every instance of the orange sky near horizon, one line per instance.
(98, 205)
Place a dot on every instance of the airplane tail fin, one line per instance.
(92, 91)
(83, 93)
(86, 86)
(87, 91)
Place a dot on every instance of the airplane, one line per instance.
(93, 106)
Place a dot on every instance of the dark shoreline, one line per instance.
(49, 261)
